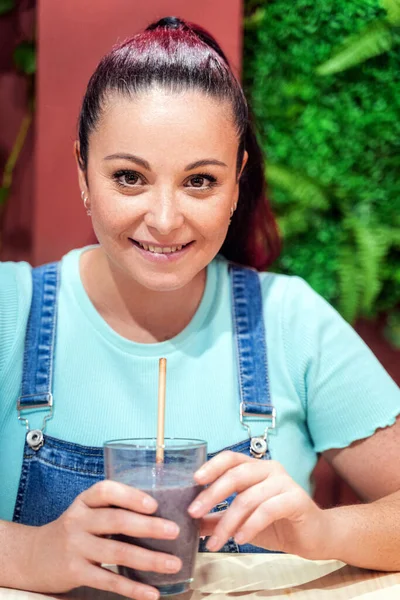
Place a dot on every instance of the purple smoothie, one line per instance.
(173, 502)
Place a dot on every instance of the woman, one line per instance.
(171, 175)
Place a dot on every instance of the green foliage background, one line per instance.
(332, 141)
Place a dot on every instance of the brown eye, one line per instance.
(127, 178)
(197, 181)
(201, 182)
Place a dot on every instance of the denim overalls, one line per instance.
(54, 471)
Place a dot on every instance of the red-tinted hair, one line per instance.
(179, 56)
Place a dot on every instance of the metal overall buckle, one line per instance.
(258, 444)
(34, 437)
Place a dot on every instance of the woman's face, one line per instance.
(162, 181)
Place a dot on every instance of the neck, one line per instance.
(135, 312)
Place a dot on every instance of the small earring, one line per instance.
(85, 200)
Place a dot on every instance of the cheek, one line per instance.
(213, 214)
(216, 221)
(112, 211)
(109, 206)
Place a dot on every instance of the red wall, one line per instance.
(73, 35)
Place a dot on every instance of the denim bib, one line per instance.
(54, 472)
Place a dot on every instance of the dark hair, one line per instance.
(179, 55)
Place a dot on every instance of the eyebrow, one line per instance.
(131, 158)
(143, 163)
(205, 162)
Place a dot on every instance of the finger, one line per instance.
(104, 521)
(103, 579)
(236, 479)
(243, 506)
(107, 492)
(284, 506)
(217, 465)
(209, 522)
(115, 552)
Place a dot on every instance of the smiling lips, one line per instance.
(160, 249)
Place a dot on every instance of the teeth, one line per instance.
(159, 250)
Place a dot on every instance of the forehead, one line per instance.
(160, 123)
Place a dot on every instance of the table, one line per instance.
(270, 576)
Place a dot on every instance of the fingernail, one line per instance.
(172, 565)
(212, 543)
(195, 508)
(149, 503)
(151, 595)
(171, 529)
(240, 537)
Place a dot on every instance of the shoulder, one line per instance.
(287, 294)
(294, 292)
(302, 312)
(15, 284)
(310, 327)
(15, 300)
(288, 297)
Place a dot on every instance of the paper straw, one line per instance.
(162, 374)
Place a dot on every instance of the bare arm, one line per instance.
(16, 542)
(368, 535)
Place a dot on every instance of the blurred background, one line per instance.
(323, 82)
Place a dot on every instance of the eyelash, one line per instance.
(210, 178)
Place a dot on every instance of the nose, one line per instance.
(164, 213)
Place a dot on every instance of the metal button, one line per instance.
(258, 447)
(35, 439)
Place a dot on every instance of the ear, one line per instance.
(81, 172)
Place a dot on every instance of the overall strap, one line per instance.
(248, 322)
(36, 389)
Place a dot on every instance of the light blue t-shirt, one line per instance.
(326, 385)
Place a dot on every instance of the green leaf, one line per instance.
(6, 6)
(371, 249)
(25, 57)
(299, 186)
(4, 193)
(295, 222)
(348, 279)
(254, 20)
(375, 39)
(392, 8)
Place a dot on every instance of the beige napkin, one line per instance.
(224, 573)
